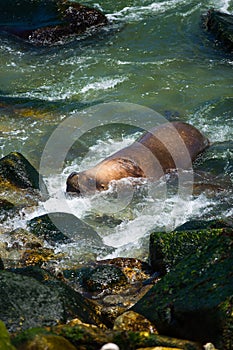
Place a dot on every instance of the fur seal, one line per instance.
(164, 148)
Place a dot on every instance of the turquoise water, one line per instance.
(152, 54)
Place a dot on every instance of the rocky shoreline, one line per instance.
(180, 299)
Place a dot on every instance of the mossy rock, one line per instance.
(30, 297)
(16, 169)
(5, 341)
(83, 336)
(168, 248)
(194, 300)
(221, 25)
(132, 321)
(42, 341)
(89, 337)
(64, 228)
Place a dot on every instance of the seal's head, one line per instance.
(98, 178)
(81, 183)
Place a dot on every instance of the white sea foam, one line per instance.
(103, 84)
(224, 5)
(132, 13)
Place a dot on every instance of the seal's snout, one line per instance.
(72, 183)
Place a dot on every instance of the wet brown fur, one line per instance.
(166, 147)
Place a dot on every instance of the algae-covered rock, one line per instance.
(89, 337)
(42, 341)
(5, 341)
(83, 336)
(30, 297)
(132, 321)
(17, 170)
(194, 300)
(168, 248)
(221, 25)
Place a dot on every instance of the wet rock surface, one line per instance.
(184, 292)
(31, 297)
(194, 300)
(46, 23)
(221, 25)
(167, 249)
(16, 169)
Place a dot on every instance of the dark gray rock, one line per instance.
(48, 22)
(31, 297)
(63, 228)
(221, 25)
(103, 278)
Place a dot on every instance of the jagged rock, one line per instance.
(194, 300)
(31, 297)
(221, 25)
(48, 22)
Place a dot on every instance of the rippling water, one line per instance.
(152, 54)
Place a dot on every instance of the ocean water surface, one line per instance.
(155, 55)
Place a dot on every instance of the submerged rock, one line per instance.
(45, 22)
(221, 25)
(194, 300)
(31, 297)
